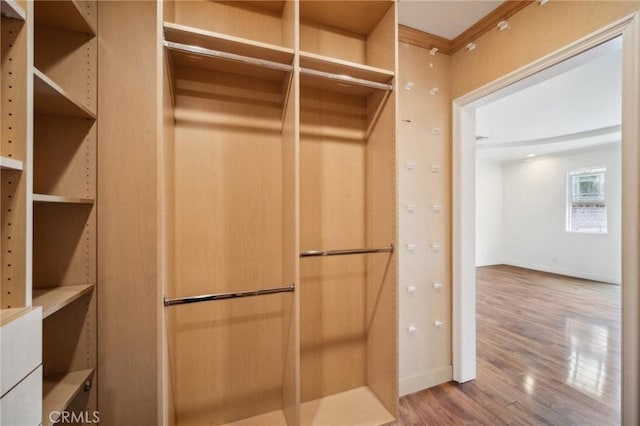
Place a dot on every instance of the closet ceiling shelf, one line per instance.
(191, 36)
(346, 79)
(314, 253)
(223, 296)
(197, 50)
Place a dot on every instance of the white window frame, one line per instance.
(569, 199)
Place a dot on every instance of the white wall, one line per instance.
(489, 190)
(533, 217)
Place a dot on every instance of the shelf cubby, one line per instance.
(243, 53)
(355, 31)
(65, 15)
(268, 22)
(59, 391)
(51, 99)
(52, 299)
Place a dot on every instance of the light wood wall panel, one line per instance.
(128, 265)
(534, 32)
(237, 18)
(332, 215)
(230, 198)
(332, 42)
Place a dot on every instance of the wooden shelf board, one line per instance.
(58, 392)
(338, 66)
(226, 43)
(43, 198)
(11, 9)
(65, 15)
(52, 299)
(51, 99)
(273, 418)
(358, 17)
(7, 163)
(354, 407)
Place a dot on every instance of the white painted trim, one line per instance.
(464, 247)
(630, 223)
(425, 380)
(563, 271)
(464, 324)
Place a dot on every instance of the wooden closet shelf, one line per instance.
(65, 15)
(273, 418)
(51, 99)
(52, 299)
(43, 198)
(226, 43)
(7, 163)
(336, 75)
(354, 407)
(341, 67)
(58, 391)
(11, 9)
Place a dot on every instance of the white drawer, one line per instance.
(22, 406)
(20, 345)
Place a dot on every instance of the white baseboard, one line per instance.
(425, 380)
(490, 262)
(563, 271)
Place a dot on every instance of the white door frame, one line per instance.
(464, 276)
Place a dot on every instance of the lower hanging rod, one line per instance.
(197, 50)
(313, 253)
(346, 79)
(223, 296)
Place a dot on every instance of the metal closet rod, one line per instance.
(313, 253)
(346, 79)
(197, 50)
(223, 296)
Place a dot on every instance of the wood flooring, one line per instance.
(548, 351)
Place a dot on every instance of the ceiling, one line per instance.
(578, 107)
(446, 19)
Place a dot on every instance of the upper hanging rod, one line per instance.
(347, 79)
(222, 296)
(227, 56)
(312, 253)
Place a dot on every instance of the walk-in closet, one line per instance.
(279, 143)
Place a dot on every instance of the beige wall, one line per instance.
(535, 32)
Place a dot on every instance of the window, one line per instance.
(587, 204)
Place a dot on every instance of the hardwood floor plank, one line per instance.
(548, 353)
